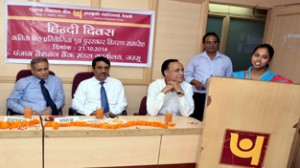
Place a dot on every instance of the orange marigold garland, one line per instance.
(18, 124)
(56, 125)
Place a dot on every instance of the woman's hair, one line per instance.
(266, 46)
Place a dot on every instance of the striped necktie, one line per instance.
(48, 99)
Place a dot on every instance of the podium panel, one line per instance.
(249, 123)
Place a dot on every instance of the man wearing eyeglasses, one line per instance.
(204, 65)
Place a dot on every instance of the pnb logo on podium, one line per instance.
(244, 148)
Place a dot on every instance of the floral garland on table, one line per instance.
(18, 124)
(56, 125)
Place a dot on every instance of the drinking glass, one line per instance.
(99, 113)
(168, 117)
(27, 112)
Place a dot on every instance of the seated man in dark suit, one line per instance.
(42, 92)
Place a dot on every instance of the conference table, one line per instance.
(22, 146)
(85, 146)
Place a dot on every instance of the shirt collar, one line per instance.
(217, 55)
(96, 81)
(38, 79)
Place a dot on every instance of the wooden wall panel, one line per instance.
(177, 32)
(261, 4)
(283, 33)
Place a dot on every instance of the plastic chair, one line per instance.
(22, 74)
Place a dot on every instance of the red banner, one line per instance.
(69, 35)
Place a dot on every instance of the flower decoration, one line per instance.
(56, 125)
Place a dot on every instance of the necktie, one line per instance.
(48, 99)
(104, 101)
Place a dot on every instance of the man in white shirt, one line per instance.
(89, 96)
(170, 94)
(204, 65)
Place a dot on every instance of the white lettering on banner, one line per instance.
(135, 43)
(92, 49)
(33, 9)
(84, 55)
(22, 53)
(56, 29)
(110, 14)
(61, 47)
(88, 13)
(110, 41)
(36, 38)
(66, 11)
(89, 29)
(133, 58)
(49, 10)
(58, 39)
(20, 37)
(126, 15)
(111, 56)
(39, 53)
(65, 54)
(77, 40)
(93, 41)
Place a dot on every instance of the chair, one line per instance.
(77, 79)
(22, 74)
(143, 107)
(27, 72)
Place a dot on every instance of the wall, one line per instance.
(179, 26)
(263, 4)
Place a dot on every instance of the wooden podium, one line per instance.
(249, 124)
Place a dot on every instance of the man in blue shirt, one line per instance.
(204, 65)
(30, 91)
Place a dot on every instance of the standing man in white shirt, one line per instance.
(204, 65)
(172, 93)
(88, 96)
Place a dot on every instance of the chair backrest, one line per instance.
(143, 106)
(27, 72)
(78, 78)
(22, 74)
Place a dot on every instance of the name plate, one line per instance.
(15, 119)
(66, 119)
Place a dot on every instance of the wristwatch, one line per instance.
(180, 93)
